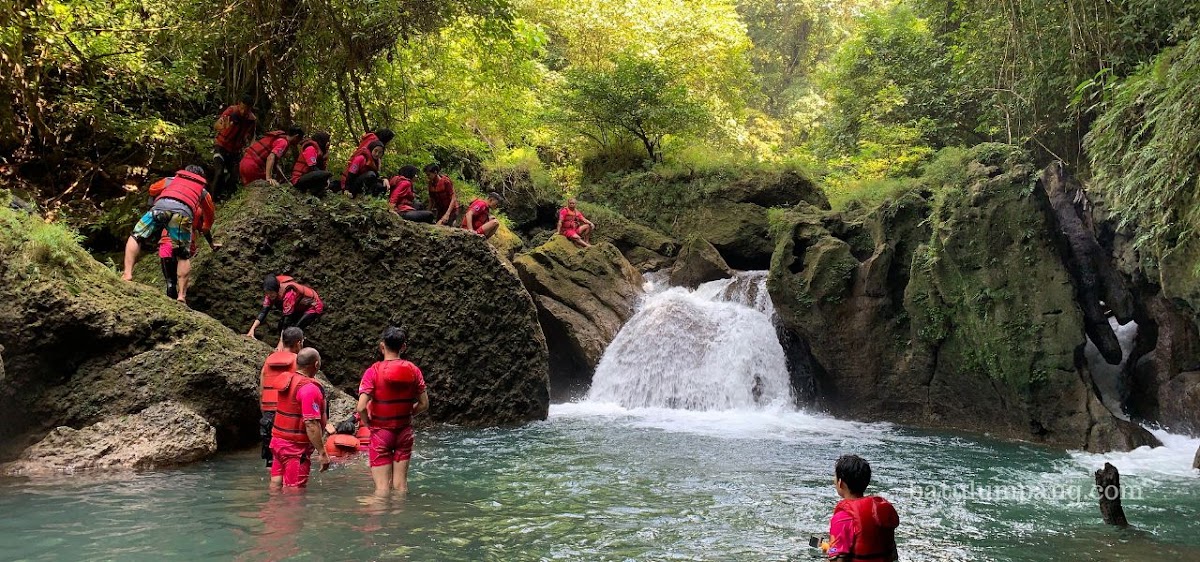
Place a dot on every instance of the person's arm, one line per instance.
(558, 227)
(317, 438)
(262, 317)
(270, 169)
(207, 211)
(223, 122)
(422, 403)
(289, 302)
(471, 218)
(364, 400)
(315, 412)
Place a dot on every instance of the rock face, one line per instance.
(81, 345)
(645, 248)
(949, 311)
(583, 298)
(164, 434)
(472, 327)
(698, 263)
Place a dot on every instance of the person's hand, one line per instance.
(273, 182)
(251, 335)
(329, 429)
(323, 458)
(441, 222)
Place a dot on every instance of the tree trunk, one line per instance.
(1108, 487)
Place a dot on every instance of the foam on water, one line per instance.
(1173, 459)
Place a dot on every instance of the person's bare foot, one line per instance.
(127, 276)
(181, 300)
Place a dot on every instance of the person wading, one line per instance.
(862, 527)
(479, 219)
(177, 201)
(442, 200)
(392, 391)
(235, 128)
(300, 305)
(300, 420)
(264, 158)
(574, 226)
(274, 373)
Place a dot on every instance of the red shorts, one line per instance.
(251, 171)
(570, 233)
(292, 461)
(390, 445)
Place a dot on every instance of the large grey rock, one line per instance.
(698, 263)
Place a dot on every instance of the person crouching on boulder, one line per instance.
(574, 226)
(300, 420)
(862, 527)
(309, 171)
(274, 373)
(179, 202)
(404, 200)
(479, 219)
(264, 158)
(442, 200)
(300, 305)
(392, 391)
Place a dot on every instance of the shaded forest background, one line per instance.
(558, 96)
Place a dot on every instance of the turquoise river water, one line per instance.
(600, 482)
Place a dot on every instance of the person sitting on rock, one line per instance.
(274, 371)
(574, 226)
(300, 424)
(392, 391)
(442, 200)
(300, 305)
(362, 172)
(309, 172)
(263, 159)
(479, 219)
(181, 203)
(862, 527)
(403, 200)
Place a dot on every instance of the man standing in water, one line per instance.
(391, 393)
(300, 420)
(862, 527)
(275, 372)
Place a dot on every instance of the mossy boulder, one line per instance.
(472, 327)
(81, 345)
(583, 297)
(949, 309)
(644, 247)
(698, 263)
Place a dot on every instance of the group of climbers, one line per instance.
(295, 414)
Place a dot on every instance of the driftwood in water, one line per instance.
(1195, 461)
(1108, 487)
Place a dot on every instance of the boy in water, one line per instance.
(391, 393)
(862, 527)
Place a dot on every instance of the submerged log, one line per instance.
(1108, 488)
(1195, 461)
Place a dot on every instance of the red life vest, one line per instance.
(441, 194)
(369, 165)
(233, 137)
(289, 420)
(367, 139)
(274, 375)
(259, 150)
(395, 395)
(339, 445)
(308, 296)
(480, 217)
(402, 197)
(570, 219)
(185, 187)
(875, 522)
(301, 167)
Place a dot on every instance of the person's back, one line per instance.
(862, 527)
(392, 391)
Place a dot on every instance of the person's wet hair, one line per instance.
(295, 131)
(433, 169)
(307, 357)
(854, 472)
(292, 336)
(371, 147)
(192, 168)
(394, 338)
(408, 172)
(270, 283)
(247, 100)
(385, 135)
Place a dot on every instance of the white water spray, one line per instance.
(714, 348)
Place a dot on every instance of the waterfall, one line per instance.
(714, 348)
(1110, 379)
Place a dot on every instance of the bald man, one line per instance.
(300, 420)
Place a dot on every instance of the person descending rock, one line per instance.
(274, 372)
(362, 173)
(235, 128)
(166, 254)
(392, 391)
(862, 527)
(442, 200)
(299, 427)
(178, 201)
(574, 226)
(309, 172)
(403, 200)
(479, 219)
(300, 305)
(264, 158)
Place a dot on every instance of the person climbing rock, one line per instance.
(264, 158)
(167, 260)
(862, 527)
(309, 172)
(300, 305)
(442, 200)
(392, 391)
(479, 219)
(274, 372)
(235, 128)
(178, 201)
(382, 136)
(362, 172)
(403, 200)
(574, 226)
(300, 420)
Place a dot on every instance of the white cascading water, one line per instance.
(714, 348)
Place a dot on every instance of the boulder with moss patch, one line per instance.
(698, 263)
(644, 247)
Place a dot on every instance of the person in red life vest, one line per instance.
(309, 172)
(362, 172)
(442, 200)
(300, 424)
(300, 305)
(178, 201)
(167, 261)
(264, 158)
(862, 527)
(392, 391)
(479, 216)
(404, 200)
(574, 226)
(235, 129)
(349, 438)
(382, 136)
(274, 373)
